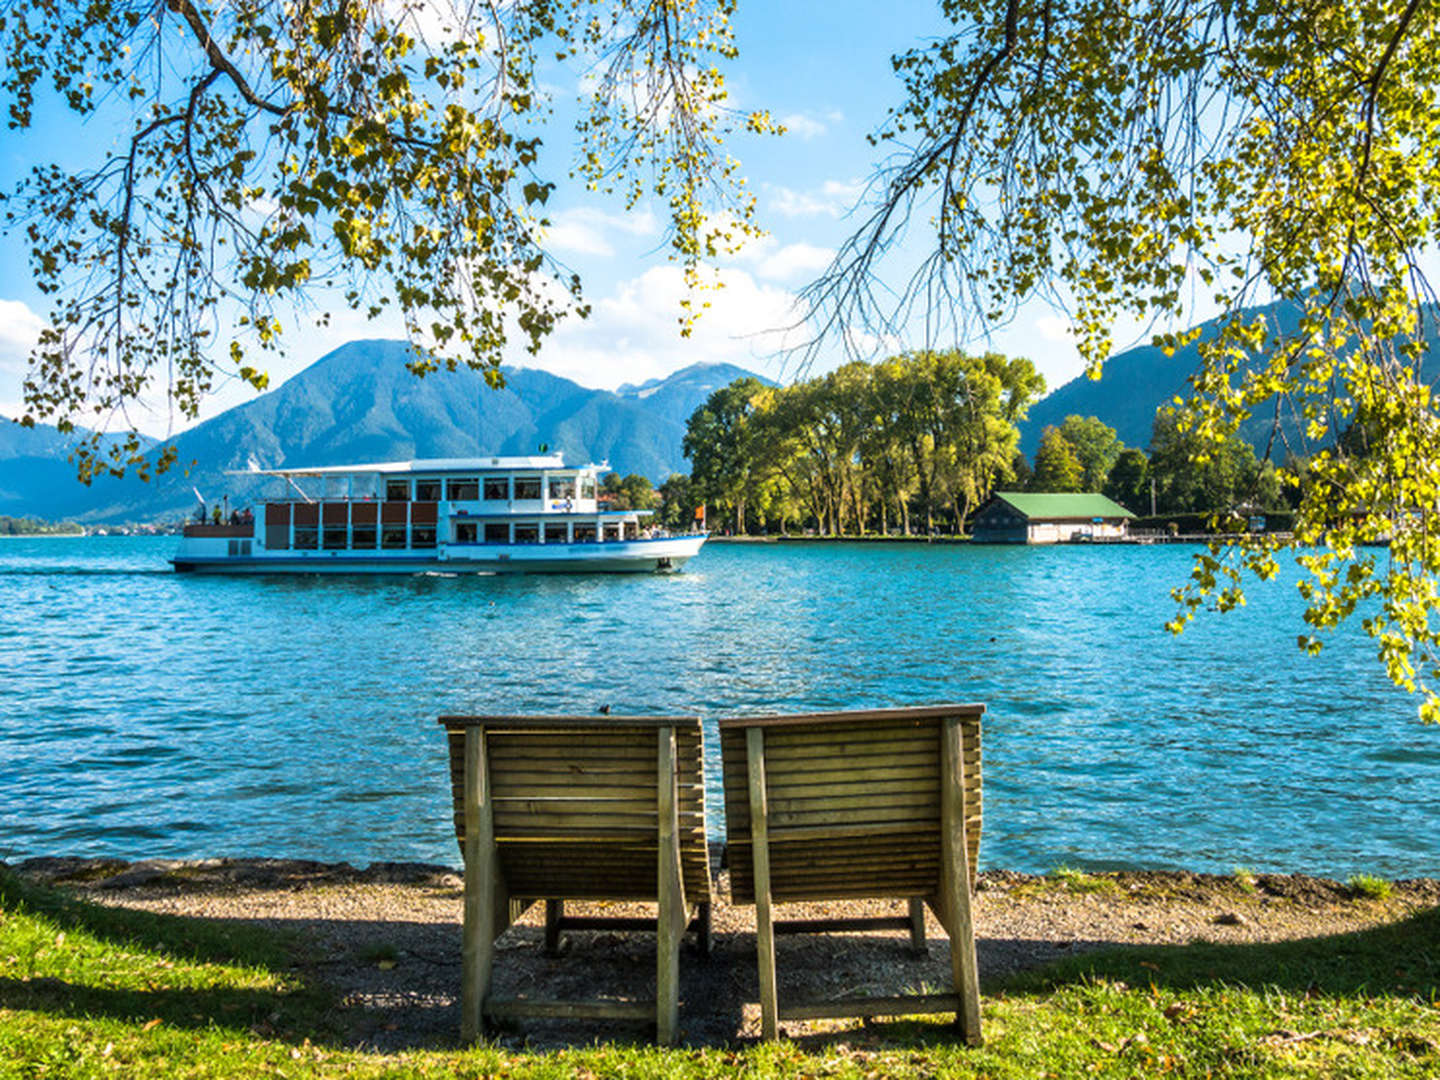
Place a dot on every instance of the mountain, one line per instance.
(676, 396)
(1138, 381)
(360, 404)
(37, 478)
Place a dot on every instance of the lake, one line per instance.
(149, 714)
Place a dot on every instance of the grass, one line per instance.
(87, 991)
(1077, 881)
(1369, 887)
(1244, 879)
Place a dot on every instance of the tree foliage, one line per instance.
(629, 492)
(1124, 159)
(903, 443)
(388, 149)
(1057, 466)
(1128, 481)
(1096, 447)
(1192, 476)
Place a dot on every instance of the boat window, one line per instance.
(392, 536)
(468, 488)
(336, 537)
(427, 490)
(527, 487)
(587, 487)
(277, 526)
(307, 537)
(555, 532)
(466, 532)
(632, 530)
(397, 490)
(497, 488)
(422, 536)
(562, 487)
(497, 533)
(364, 537)
(612, 532)
(584, 534)
(527, 534)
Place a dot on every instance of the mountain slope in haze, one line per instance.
(359, 404)
(38, 479)
(1135, 383)
(678, 395)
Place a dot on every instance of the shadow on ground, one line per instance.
(392, 985)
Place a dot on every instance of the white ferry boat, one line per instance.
(459, 515)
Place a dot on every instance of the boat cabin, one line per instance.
(421, 505)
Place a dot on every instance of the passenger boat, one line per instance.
(458, 515)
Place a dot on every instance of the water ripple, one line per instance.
(144, 713)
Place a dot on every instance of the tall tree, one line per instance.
(1129, 481)
(1194, 476)
(1096, 446)
(1129, 156)
(1057, 468)
(719, 441)
(383, 148)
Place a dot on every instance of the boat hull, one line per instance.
(613, 557)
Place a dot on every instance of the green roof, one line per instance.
(1066, 505)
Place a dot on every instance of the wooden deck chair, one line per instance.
(884, 803)
(583, 808)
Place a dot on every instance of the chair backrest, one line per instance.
(575, 802)
(853, 801)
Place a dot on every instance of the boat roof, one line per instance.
(427, 465)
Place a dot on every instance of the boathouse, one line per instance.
(1013, 517)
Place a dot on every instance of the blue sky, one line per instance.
(822, 69)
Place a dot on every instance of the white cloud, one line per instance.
(834, 198)
(19, 329)
(583, 230)
(770, 260)
(633, 333)
(805, 126)
(1054, 328)
(794, 260)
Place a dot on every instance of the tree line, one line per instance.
(916, 444)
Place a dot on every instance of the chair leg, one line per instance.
(673, 917)
(554, 912)
(760, 855)
(702, 932)
(917, 926)
(955, 884)
(482, 890)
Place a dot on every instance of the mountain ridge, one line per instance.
(358, 403)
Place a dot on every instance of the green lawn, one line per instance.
(92, 991)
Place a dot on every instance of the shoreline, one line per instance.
(386, 937)
(218, 872)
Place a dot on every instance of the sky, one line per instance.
(822, 69)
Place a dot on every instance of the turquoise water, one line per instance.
(146, 714)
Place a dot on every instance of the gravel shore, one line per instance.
(387, 938)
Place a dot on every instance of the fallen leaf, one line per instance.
(151, 1025)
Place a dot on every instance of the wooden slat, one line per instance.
(502, 721)
(587, 1009)
(903, 1005)
(915, 712)
(836, 926)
